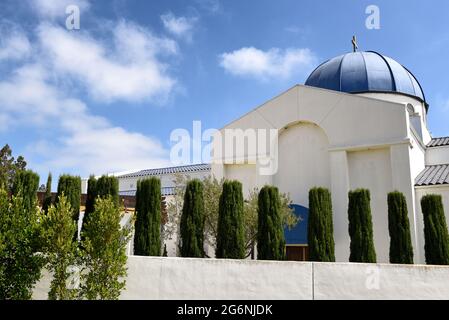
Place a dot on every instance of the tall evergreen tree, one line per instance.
(46, 203)
(401, 249)
(192, 221)
(361, 227)
(147, 237)
(107, 186)
(270, 231)
(230, 232)
(25, 185)
(70, 186)
(91, 195)
(320, 228)
(436, 237)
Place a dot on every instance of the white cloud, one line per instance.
(179, 26)
(271, 64)
(80, 140)
(56, 8)
(14, 44)
(212, 6)
(131, 71)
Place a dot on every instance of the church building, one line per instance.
(360, 121)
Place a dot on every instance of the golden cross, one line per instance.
(354, 44)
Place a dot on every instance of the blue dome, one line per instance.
(359, 72)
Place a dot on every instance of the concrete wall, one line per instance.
(186, 278)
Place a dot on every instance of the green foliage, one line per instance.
(401, 249)
(70, 186)
(270, 236)
(60, 249)
(230, 235)
(91, 195)
(192, 221)
(104, 254)
(108, 187)
(25, 186)
(435, 230)
(361, 227)
(147, 238)
(211, 193)
(20, 262)
(47, 198)
(9, 167)
(320, 228)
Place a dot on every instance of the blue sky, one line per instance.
(106, 97)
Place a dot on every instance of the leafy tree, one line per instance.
(9, 167)
(147, 238)
(48, 197)
(270, 235)
(231, 237)
(401, 249)
(25, 186)
(20, 262)
(70, 186)
(361, 227)
(192, 221)
(60, 248)
(104, 254)
(320, 228)
(436, 236)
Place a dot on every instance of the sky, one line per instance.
(106, 97)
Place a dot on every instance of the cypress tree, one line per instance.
(401, 250)
(361, 227)
(270, 231)
(147, 237)
(230, 232)
(46, 203)
(70, 186)
(192, 221)
(435, 230)
(91, 195)
(108, 186)
(25, 185)
(320, 228)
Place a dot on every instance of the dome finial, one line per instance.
(354, 44)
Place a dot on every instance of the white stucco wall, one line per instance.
(221, 279)
(437, 155)
(339, 141)
(420, 192)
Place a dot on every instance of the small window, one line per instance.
(410, 109)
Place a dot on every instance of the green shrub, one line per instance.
(435, 230)
(270, 234)
(108, 187)
(230, 232)
(361, 227)
(192, 221)
(401, 249)
(91, 195)
(320, 228)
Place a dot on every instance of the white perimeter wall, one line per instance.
(221, 279)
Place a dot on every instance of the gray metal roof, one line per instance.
(165, 191)
(433, 175)
(438, 142)
(169, 170)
